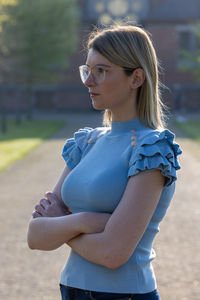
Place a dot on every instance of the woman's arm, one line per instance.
(57, 188)
(52, 205)
(48, 233)
(53, 225)
(114, 246)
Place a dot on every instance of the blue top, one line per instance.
(102, 160)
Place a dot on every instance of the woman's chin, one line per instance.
(97, 106)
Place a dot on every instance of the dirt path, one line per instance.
(27, 275)
(178, 244)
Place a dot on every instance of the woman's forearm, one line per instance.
(93, 247)
(127, 224)
(47, 233)
(50, 233)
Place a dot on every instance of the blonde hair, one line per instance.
(131, 47)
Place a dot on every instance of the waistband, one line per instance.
(72, 293)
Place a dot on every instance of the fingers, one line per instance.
(36, 214)
(45, 203)
(50, 206)
(51, 196)
(40, 209)
(43, 207)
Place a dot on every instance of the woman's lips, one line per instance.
(93, 94)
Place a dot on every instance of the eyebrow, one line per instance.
(101, 65)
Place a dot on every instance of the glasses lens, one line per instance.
(84, 73)
(99, 74)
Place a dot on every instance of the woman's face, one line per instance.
(116, 92)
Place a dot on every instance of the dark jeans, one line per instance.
(69, 293)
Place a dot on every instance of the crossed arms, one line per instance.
(108, 240)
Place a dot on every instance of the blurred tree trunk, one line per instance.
(18, 111)
(3, 113)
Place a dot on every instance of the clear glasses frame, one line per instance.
(98, 73)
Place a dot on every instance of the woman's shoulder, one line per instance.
(156, 149)
(82, 140)
(88, 135)
(149, 136)
(157, 141)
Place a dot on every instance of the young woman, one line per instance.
(119, 179)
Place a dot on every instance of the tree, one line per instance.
(36, 38)
(191, 59)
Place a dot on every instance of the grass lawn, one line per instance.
(19, 140)
(190, 128)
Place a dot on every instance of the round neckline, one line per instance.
(126, 126)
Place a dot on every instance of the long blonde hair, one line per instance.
(131, 47)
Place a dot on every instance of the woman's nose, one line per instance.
(90, 80)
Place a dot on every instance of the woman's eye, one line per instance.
(100, 70)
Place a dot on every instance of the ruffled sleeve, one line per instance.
(74, 147)
(156, 150)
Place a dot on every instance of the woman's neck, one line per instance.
(120, 117)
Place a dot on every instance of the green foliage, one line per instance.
(19, 140)
(36, 39)
(191, 61)
(190, 128)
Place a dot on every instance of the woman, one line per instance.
(119, 180)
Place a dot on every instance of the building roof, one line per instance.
(174, 10)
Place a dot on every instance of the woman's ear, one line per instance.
(137, 78)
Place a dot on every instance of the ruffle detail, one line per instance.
(74, 147)
(157, 150)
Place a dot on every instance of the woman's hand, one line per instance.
(114, 245)
(50, 206)
(51, 233)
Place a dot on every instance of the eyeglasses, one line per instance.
(98, 73)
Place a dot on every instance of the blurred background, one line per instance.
(43, 102)
(42, 42)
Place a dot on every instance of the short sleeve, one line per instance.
(74, 147)
(157, 150)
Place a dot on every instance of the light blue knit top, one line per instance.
(102, 160)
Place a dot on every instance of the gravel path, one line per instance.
(27, 275)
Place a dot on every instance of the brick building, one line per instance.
(171, 24)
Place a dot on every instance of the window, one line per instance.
(185, 40)
(188, 43)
